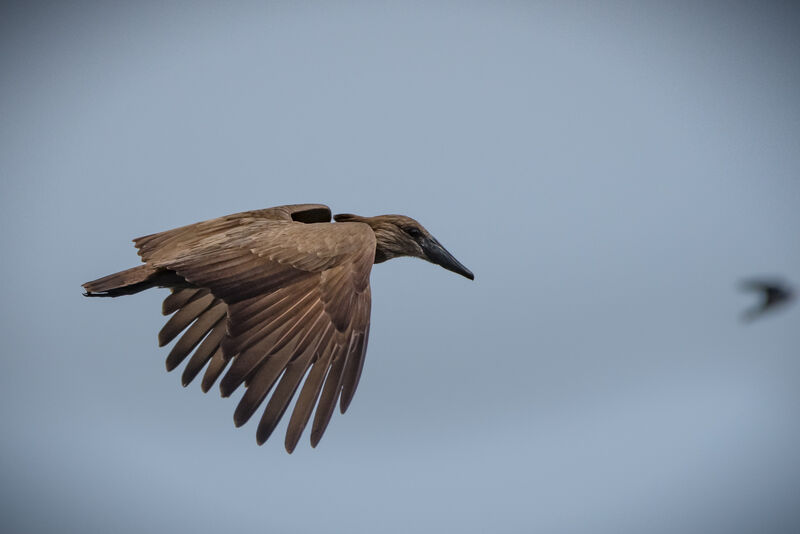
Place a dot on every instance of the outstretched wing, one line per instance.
(280, 300)
(756, 284)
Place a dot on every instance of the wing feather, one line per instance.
(246, 362)
(352, 370)
(184, 317)
(176, 300)
(282, 300)
(284, 392)
(245, 331)
(357, 348)
(204, 352)
(195, 333)
(307, 399)
(215, 368)
(330, 394)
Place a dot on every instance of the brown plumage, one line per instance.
(278, 294)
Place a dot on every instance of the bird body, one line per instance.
(279, 294)
(774, 295)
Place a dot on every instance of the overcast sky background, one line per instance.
(609, 173)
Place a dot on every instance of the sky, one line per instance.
(610, 173)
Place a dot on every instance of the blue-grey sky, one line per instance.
(609, 172)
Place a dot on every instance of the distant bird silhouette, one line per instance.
(281, 293)
(774, 294)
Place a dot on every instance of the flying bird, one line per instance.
(279, 294)
(774, 294)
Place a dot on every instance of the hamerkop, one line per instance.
(280, 293)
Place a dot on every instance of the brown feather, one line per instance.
(327, 401)
(125, 282)
(176, 300)
(283, 395)
(203, 354)
(269, 371)
(357, 352)
(352, 371)
(196, 332)
(246, 331)
(215, 368)
(307, 399)
(259, 387)
(245, 363)
(184, 317)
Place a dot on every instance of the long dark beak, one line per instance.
(437, 254)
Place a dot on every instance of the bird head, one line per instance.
(398, 235)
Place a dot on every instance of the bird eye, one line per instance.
(414, 232)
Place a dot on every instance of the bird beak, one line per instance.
(436, 253)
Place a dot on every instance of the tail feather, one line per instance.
(125, 282)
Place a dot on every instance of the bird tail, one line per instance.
(125, 282)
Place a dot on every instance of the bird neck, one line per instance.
(386, 246)
(389, 242)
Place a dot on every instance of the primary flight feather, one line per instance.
(277, 295)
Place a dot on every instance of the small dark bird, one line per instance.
(774, 294)
(280, 294)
